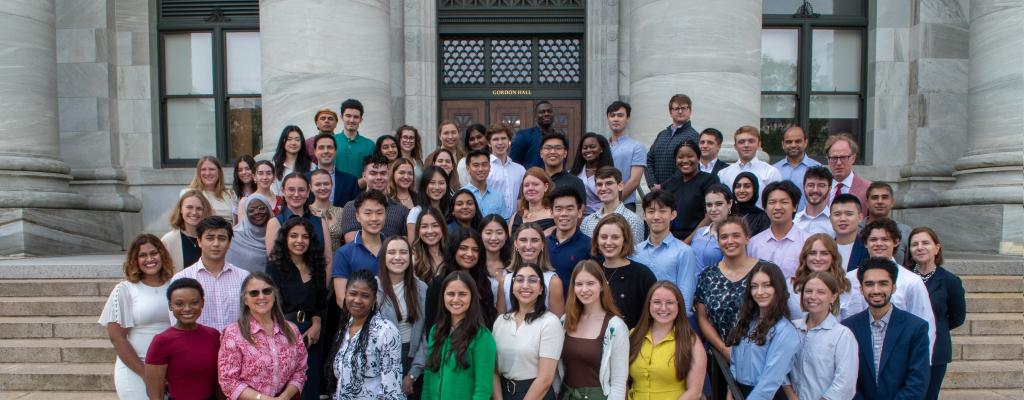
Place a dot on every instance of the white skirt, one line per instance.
(130, 385)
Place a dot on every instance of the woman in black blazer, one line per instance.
(946, 292)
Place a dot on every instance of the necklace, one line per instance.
(194, 242)
(924, 277)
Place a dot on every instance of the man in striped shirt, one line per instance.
(221, 281)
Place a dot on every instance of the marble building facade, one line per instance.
(80, 129)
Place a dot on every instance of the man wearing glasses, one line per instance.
(554, 148)
(661, 160)
(841, 150)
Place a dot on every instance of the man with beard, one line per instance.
(326, 121)
(893, 350)
(525, 149)
(795, 165)
(815, 217)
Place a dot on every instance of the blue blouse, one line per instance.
(765, 367)
(705, 247)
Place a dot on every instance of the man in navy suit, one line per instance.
(894, 353)
(346, 186)
(845, 215)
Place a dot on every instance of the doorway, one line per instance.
(517, 114)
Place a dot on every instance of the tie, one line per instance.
(839, 190)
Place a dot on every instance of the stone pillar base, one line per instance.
(991, 228)
(29, 232)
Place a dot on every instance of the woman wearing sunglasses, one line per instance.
(262, 355)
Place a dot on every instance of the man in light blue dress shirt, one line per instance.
(478, 163)
(669, 258)
(794, 166)
(628, 155)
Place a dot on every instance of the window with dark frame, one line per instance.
(209, 80)
(813, 71)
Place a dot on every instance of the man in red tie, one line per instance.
(842, 150)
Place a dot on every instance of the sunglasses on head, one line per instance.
(267, 291)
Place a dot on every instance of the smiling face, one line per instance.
(880, 244)
(296, 192)
(780, 207)
(396, 257)
(817, 298)
(743, 189)
(257, 213)
(404, 176)
(607, 189)
(527, 287)
(389, 148)
(794, 143)
(591, 149)
(322, 187)
(376, 176)
(465, 207)
(566, 212)
(686, 161)
(545, 115)
(371, 215)
(187, 305)
(467, 254)
(351, 118)
(530, 245)
(430, 230)
(553, 152)
(709, 146)
(499, 142)
(449, 135)
(534, 189)
(746, 146)
(457, 299)
(325, 151)
(297, 240)
(192, 211)
(818, 258)
(479, 167)
(664, 307)
(359, 299)
(816, 190)
(263, 301)
(292, 143)
(716, 207)
(444, 161)
(265, 176)
(436, 187)
(407, 141)
(844, 218)
(923, 248)
(494, 237)
(610, 240)
(732, 240)
(209, 174)
(149, 260)
(586, 287)
(658, 217)
(761, 290)
(877, 287)
(243, 171)
(477, 140)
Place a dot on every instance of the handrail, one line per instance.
(723, 364)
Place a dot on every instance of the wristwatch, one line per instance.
(259, 396)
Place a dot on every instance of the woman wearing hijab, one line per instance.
(747, 192)
(248, 249)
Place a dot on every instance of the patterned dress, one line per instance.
(267, 365)
(375, 373)
(721, 297)
(333, 217)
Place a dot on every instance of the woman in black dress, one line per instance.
(688, 187)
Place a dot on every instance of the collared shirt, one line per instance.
(826, 367)
(814, 224)
(593, 202)
(878, 329)
(489, 201)
(654, 370)
(710, 167)
(705, 248)
(353, 257)
(785, 253)
(377, 374)
(796, 174)
(847, 183)
(506, 178)
(395, 215)
(221, 293)
(351, 152)
(765, 367)
(626, 154)
(911, 295)
(565, 255)
(267, 365)
(765, 173)
(661, 157)
(673, 261)
(636, 225)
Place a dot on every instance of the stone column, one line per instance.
(709, 50)
(602, 72)
(420, 45)
(989, 189)
(316, 54)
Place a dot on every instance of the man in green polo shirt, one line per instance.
(352, 147)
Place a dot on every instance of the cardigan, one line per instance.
(614, 360)
(946, 292)
(172, 241)
(416, 340)
(451, 382)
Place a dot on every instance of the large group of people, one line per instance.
(492, 269)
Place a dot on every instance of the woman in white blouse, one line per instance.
(826, 368)
(136, 311)
(529, 340)
(821, 254)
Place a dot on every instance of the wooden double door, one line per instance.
(519, 114)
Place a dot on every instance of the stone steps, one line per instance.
(57, 377)
(985, 375)
(51, 327)
(995, 303)
(56, 351)
(980, 394)
(1003, 347)
(993, 284)
(52, 306)
(983, 324)
(56, 287)
(58, 396)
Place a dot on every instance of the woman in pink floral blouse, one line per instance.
(262, 356)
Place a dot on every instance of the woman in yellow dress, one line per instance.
(666, 359)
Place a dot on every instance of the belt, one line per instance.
(298, 317)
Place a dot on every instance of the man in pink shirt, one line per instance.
(221, 281)
(782, 241)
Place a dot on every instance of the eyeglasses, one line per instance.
(836, 159)
(552, 148)
(533, 280)
(679, 109)
(267, 291)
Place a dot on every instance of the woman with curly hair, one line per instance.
(297, 266)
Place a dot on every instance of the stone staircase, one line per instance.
(52, 348)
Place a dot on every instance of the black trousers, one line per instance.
(935, 382)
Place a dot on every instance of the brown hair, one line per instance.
(392, 189)
(219, 190)
(684, 336)
(680, 98)
(539, 173)
(735, 220)
(408, 279)
(749, 130)
(830, 281)
(176, 220)
(133, 273)
(627, 234)
(498, 128)
(803, 272)
(417, 151)
(543, 260)
(846, 137)
(935, 238)
(453, 178)
(459, 151)
(324, 111)
(574, 308)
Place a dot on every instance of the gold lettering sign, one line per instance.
(511, 92)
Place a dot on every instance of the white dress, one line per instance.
(143, 310)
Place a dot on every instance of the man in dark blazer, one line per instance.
(346, 186)
(710, 142)
(894, 354)
(845, 215)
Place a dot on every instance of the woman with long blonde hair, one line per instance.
(209, 180)
(530, 247)
(183, 240)
(821, 254)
